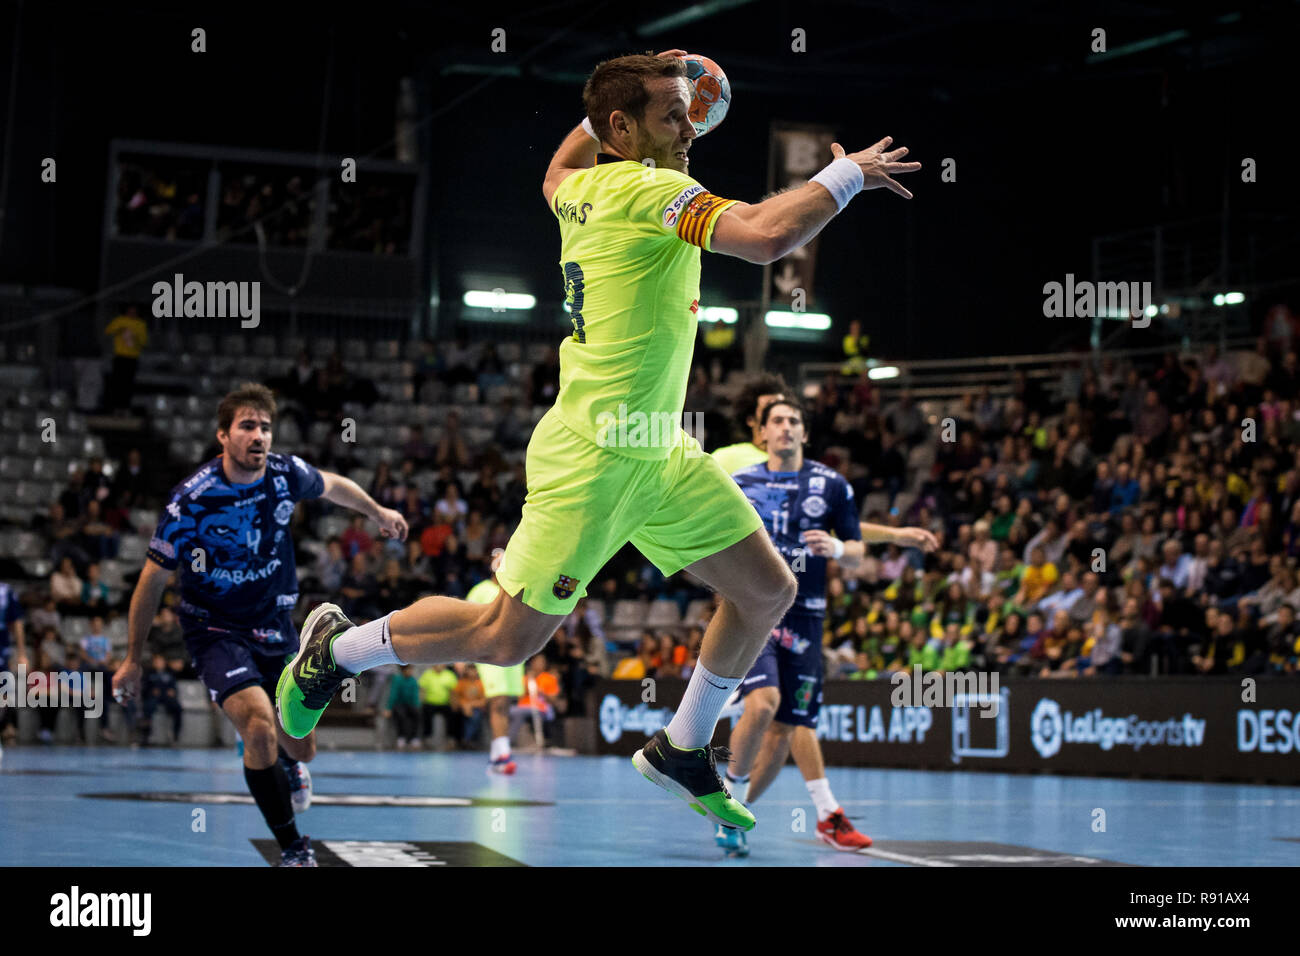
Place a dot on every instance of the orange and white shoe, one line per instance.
(836, 831)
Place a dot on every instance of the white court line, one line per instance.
(904, 858)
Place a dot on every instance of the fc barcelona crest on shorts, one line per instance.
(564, 586)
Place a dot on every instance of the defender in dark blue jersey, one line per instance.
(226, 528)
(801, 504)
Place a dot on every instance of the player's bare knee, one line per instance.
(259, 735)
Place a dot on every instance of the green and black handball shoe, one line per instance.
(693, 776)
(310, 680)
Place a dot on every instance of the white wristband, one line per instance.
(839, 548)
(586, 124)
(843, 179)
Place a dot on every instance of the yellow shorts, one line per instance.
(585, 502)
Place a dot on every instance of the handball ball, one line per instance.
(710, 92)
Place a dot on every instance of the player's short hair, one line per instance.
(249, 395)
(789, 403)
(765, 384)
(620, 84)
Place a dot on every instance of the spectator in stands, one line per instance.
(129, 483)
(450, 509)
(429, 367)
(1282, 640)
(905, 420)
(94, 592)
(393, 589)
(437, 684)
(97, 538)
(854, 345)
(385, 489)
(545, 380)
(159, 689)
(96, 648)
(460, 360)
(403, 707)
(130, 335)
(644, 664)
(468, 699)
(416, 448)
(474, 538)
(359, 589)
(167, 639)
(544, 703)
(45, 617)
(452, 451)
(65, 587)
(331, 566)
(418, 569)
(513, 429)
(355, 539)
(65, 536)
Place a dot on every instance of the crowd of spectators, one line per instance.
(162, 200)
(1118, 519)
(158, 202)
(1128, 521)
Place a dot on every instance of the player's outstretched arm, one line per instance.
(346, 492)
(144, 608)
(766, 231)
(903, 537)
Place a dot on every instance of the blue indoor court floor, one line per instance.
(83, 807)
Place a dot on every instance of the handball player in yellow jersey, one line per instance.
(610, 463)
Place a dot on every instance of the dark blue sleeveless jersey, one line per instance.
(246, 578)
(790, 502)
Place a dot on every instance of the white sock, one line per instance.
(820, 791)
(500, 748)
(692, 726)
(360, 648)
(739, 787)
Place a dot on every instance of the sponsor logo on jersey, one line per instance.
(174, 508)
(814, 506)
(817, 485)
(283, 512)
(286, 600)
(194, 495)
(273, 462)
(237, 670)
(281, 486)
(245, 575)
(790, 640)
(674, 208)
(301, 465)
(564, 586)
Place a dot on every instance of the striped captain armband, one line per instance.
(693, 213)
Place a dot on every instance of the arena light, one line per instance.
(816, 321)
(1152, 310)
(1218, 299)
(881, 372)
(498, 300)
(720, 313)
(1234, 298)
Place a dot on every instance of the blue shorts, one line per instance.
(791, 661)
(227, 661)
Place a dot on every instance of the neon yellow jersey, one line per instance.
(485, 592)
(630, 241)
(732, 458)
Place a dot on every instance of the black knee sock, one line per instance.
(270, 790)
